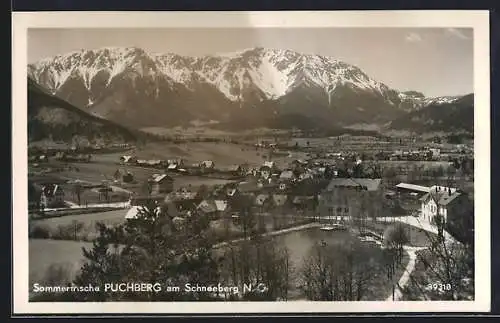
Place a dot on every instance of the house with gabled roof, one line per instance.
(233, 170)
(135, 211)
(265, 172)
(412, 190)
(269, 164)
(308, 174)
(267, 169)
(304, 202)
(52, 196)
(287, 175)
(248, 187)
(346, 198)
(172, 167)
(207, 207)
(183, 201)
(207, 164)
(128, 159)
(446, 202)
(221, 205)
(213, 208)
(161, 184)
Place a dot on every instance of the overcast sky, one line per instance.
(435, 61)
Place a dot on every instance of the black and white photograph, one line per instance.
(272, 163)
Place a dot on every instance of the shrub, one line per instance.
(72, 231)
(58, 274)
(40, 232)
(396, 236)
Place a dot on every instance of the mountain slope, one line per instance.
(51, 117)
(140, 89)
(457, 116)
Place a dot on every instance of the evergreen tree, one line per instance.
(151, 249)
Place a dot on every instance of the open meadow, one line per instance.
(103, 166)
(109, 217)
(75, 227)
(45, 253)
(223, 154)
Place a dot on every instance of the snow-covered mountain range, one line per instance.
(255, 86)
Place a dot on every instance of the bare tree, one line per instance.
(259, 261)
(445, 271)
(395, 238)
(77, 190)
(335, 273)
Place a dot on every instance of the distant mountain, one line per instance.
(456, 116)
(50, 117)
(261, 86)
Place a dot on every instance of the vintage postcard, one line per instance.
(246, 162)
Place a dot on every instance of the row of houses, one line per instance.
(297, 170)
(181, 166)
(73, 157)
(266, 181)
(61, 156)
(224, 199)
(338, 198)
(419, 154)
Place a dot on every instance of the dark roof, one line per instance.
(233, 168)
(441, 197)
(207, 206)
(207, 163)
(52, 189)
(221, 205)
(413, 187)
(269, 164)
(247, 187)
(309, 186)
(287, 174)
(161, 178)
(364, 183)
(302, 199)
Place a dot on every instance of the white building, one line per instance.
(445, 201)
(343, 198)
(436, 152)
(52, 196)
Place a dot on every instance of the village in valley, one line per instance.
(388, 194)
(305, 165)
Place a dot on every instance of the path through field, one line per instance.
(418, 223)
(412, 253)
(405, 278)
